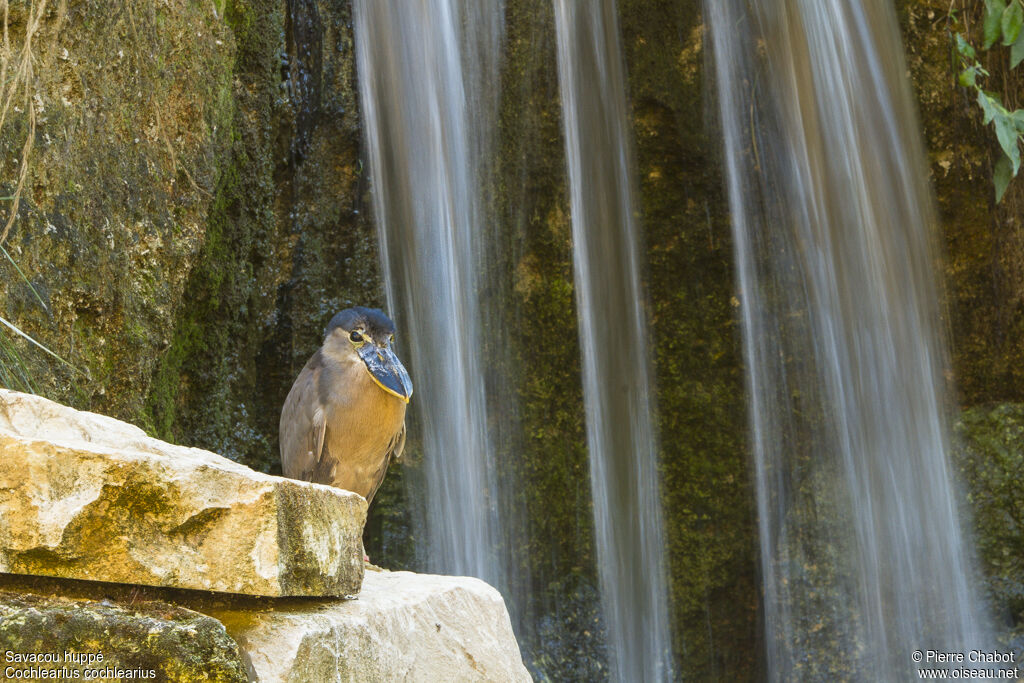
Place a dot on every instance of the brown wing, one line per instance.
(303, 424)
(395, 450)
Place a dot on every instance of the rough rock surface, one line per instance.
(990, 460)
(162, 641)
(88, 497)
(402, 627)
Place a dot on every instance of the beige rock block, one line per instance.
(402, 627)
(84, 496)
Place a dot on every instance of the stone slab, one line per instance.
(402, 627)
(84, 496)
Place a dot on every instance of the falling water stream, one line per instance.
(863, 557)
(424, 71)
(428, 75)
(621, 439)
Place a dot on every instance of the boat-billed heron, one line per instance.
(344, 418)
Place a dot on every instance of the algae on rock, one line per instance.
(991, 464)
(287, 244)
(984, 290)
(175, 643)
(192, 216)
(132, 104)
(705, 457)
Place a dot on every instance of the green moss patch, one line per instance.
(161, 641)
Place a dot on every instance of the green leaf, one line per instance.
(1018, 119)
(967, 78)
(993, 21)
(1001, 175)
(1013, 19)
(964, 48)
(989, 106)
(1006, 132)
(1017, 51)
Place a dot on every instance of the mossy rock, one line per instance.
(286, 243)
(191, 215)
(131, 108)
(991, 464)
(175, 643)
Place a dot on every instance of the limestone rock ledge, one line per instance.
(85, 496)
(402, 627)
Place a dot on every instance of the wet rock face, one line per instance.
(990, 461)
(983, 263)
(162, 641)
(286, 244)
(87, 497)
(705, 470)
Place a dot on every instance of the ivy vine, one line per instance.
(1003, 23)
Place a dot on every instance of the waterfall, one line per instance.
(428, 78)
(427, 73)
(618, 391)
(863, 557)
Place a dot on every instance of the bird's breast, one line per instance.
(360, 432)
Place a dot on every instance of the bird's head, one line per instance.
(367, 334)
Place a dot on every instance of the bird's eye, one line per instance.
(355, 336)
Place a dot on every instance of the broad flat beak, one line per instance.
(386, 370)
